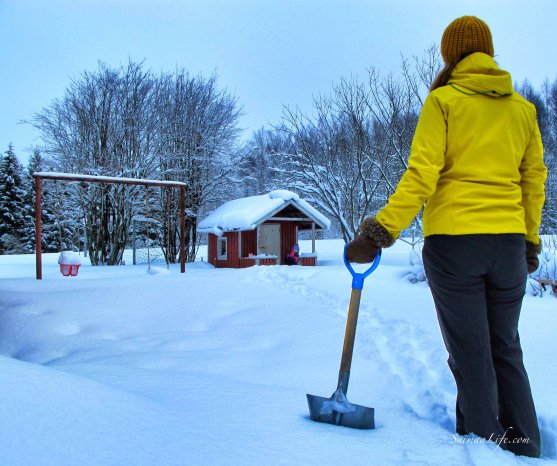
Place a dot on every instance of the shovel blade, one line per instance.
(354, 416)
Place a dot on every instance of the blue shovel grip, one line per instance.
(358, 278)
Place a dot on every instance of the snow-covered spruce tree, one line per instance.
(103, 125)
(12, 203)
(28, 230)
(195, 143)
(50, 232)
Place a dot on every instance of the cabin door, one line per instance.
(268, 240)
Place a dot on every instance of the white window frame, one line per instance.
(221, 240)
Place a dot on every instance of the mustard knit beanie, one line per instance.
(465, 35)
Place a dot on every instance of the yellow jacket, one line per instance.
(476, 160)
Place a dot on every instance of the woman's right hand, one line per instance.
(361, 250)
(532, 252)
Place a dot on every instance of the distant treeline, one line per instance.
(345, 155)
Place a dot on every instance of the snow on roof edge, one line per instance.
(313, 213)
(215, 230)
(247, 213)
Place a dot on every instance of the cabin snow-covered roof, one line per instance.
(248, 213)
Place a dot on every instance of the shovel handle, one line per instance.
(358, 278)
(352, 321)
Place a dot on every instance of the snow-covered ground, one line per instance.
(118, 366)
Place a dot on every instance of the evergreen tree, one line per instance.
(12, 203)
(50, 236)
(64, 215)
(28, 230)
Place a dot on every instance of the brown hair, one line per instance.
(442, 78)
(444, 75)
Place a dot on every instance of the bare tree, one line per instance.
(260, 170)
(349, 156)
(329, 161)
(549, 134)
(427, 66)
(546, 112)
(194, 143)
(103, 126)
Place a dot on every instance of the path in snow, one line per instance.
(408, 359)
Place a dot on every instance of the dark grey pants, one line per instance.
(477, 283)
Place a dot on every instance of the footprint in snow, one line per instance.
(414, 361)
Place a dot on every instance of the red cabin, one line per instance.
(260, 230)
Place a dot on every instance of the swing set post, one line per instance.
(38, 228)
(182, 229)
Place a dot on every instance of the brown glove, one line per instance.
(371, 237)
(532, 251)
(361, 250)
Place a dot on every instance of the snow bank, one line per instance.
(157, 271)
(212, 367)
(52, 417)
(69, 258)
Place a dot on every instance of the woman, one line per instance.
(477, 164)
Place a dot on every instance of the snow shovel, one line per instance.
(337, 409)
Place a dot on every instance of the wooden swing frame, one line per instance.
(40, 176)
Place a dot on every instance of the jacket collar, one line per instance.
(479, 74)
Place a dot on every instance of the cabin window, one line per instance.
(222, 248)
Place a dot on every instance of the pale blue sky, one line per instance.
(266, 52)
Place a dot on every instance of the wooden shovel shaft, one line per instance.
(349, 337)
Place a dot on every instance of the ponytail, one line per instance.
(442, 79)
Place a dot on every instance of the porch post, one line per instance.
(257, 241)
(313, 237)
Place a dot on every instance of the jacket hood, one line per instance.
(479, 74)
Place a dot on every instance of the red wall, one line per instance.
(249, 245)
(232, 249)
